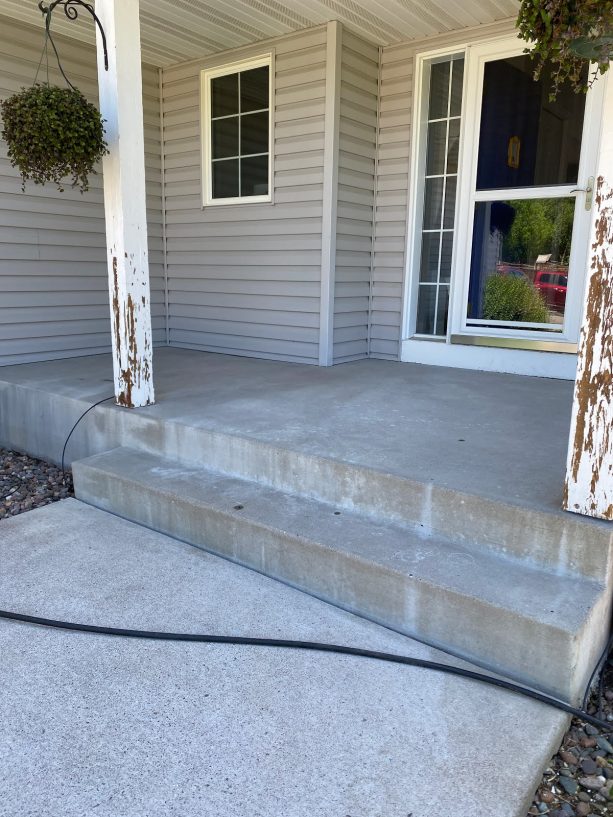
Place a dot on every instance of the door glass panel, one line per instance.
(426, 310)
(433, 204)
(457, 81)
(446, 250)
(437, 147)
(453, 146)
(439, 90)
(430, 254)
(438, 215)
(519, 266)
(449, 210)
(526, 140)
(442, 310)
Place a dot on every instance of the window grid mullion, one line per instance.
(246, 113)
(239, 156)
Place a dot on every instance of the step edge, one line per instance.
(594, 587)
(592, 561)
(563, 534)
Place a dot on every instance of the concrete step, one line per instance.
(201, 437)
(560, 541)
(531, 624)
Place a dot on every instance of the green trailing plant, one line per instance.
(568, 35)
(509, 298)
(53, 134)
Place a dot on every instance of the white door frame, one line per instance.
(510, 350)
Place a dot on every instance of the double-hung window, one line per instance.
(237, 132)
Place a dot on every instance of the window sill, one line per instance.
(532, 344)
(243, 200)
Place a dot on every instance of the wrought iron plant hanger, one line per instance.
(71, 10)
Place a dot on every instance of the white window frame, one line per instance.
(206, 76)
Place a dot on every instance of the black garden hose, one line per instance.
(316, 646)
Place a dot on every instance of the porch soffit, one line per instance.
(177, 30)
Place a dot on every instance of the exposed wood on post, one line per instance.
(125, 202)
(589, 477)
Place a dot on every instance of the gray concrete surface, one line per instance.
(99, 727)
(446, 450)
(501, 436)
(547, 630)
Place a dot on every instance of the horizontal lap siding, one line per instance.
(245, 279)
(53, 278)
(356, 182)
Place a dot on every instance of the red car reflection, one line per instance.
(552, 285)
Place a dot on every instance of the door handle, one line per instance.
(589, 192)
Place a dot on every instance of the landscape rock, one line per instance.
(594, 783)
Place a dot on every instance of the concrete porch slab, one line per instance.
(100, 726)
(495, 435)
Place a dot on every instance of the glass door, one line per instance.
(527, 197)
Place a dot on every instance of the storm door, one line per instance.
(525, 203)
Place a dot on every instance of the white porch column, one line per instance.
(121, 106)
(589, 475)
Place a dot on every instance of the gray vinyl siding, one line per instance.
(245, 279)
(393, 180)
(54, 299)
(241, 279)
(356, 187)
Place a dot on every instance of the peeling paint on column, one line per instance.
(125, 204)
(134, 368)
(589, 479)
(115, 307)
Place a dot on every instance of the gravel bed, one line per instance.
(579, 777)
(27, 483)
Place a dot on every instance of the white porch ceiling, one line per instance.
(176, 30)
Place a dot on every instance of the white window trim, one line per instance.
(206, 76)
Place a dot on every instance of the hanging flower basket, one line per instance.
(568, 35)
(53, 134)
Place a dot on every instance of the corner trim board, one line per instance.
(330, 193)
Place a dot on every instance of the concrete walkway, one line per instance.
(92, 725)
